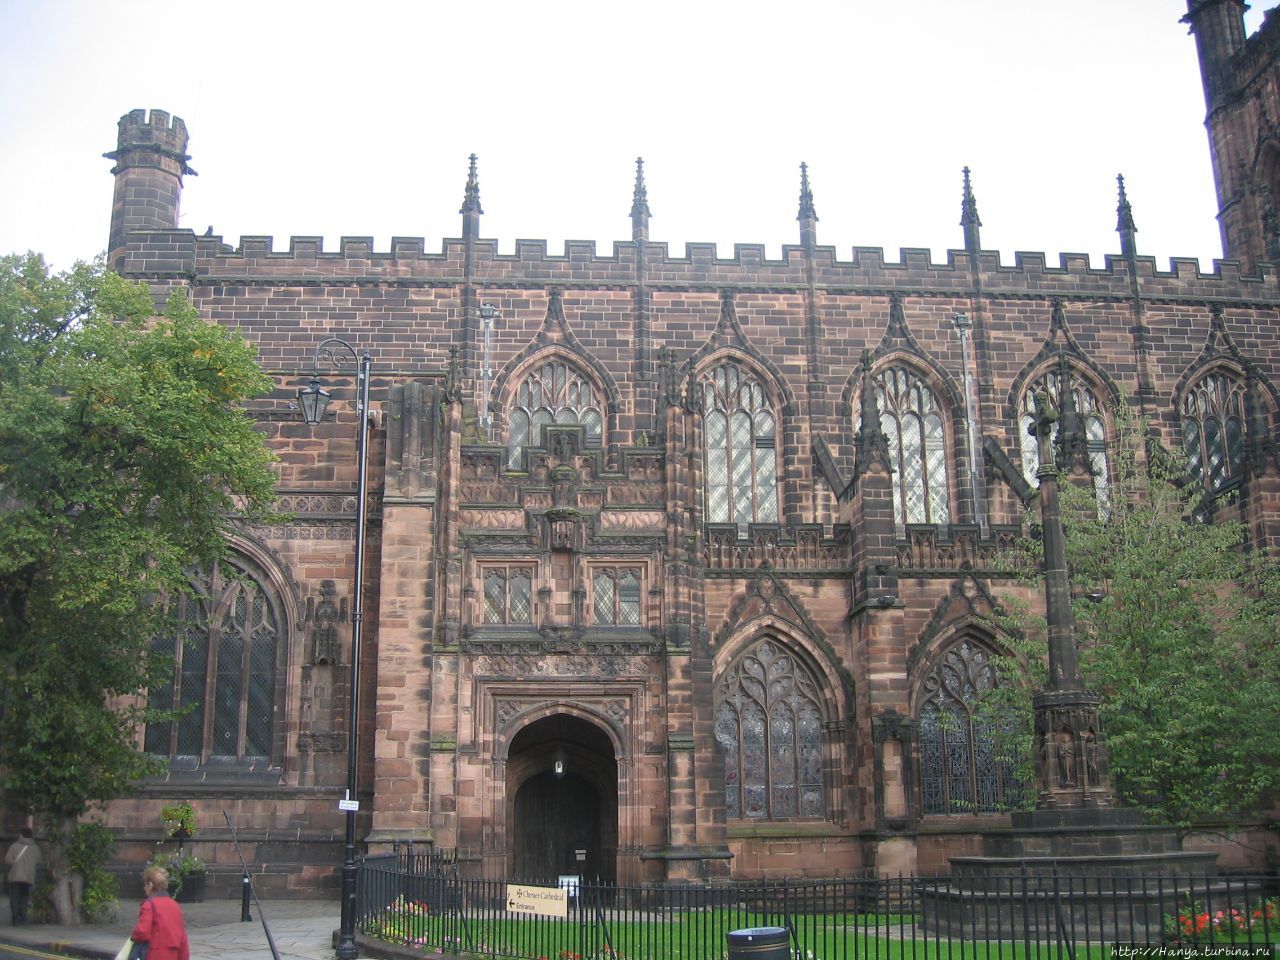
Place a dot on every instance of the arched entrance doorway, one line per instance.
(562, 801)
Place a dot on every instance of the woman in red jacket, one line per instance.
(160, 922)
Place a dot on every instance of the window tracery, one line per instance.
(968, 754)
(225, 649)
(740, 440)
(911, 419)
(769, 725)
(1091, 415)
(1213, 430)
(552, 393)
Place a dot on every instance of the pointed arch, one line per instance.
(230, 646)
(921, 429)
(742, 422)
(553, 385)
(970, 749)
(772, 713)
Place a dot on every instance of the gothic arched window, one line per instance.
(968, 756)
(911, 419)
(1213, 430)
(552, 393)
(769, 725)
(740, 437)
(224, 672)
(616, 596)
(1090, 411)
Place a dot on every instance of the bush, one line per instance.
(91, 846)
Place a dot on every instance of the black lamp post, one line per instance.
(313, 401)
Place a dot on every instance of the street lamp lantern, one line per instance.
(313, 400)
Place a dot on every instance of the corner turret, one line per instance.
(1218, 26)
(151, 160)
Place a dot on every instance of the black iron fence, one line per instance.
(857, 918)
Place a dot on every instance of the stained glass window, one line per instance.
(739, 434)
(1213, 430)
(616, 596)
(769, 725)
(968, 756)
(224, 674)
(508, 595)
(911, 419)
(552, 393)
(1091, 413)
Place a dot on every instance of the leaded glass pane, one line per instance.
(495, 590)
(629, 599)
(539, 419)
(767, 485)
(262, 680)
(1030, 455)
(809, 737)
(932, 781)
(959, 789)
(517, 437)
(520, 600)
(936, 470)
(1215, 452)
(193, 678)
(754, 761)
(727, 734)
(912, 476)
(227, 692)
(1235, 447)
(1191, 444)
(604, 597)
(782, 761)
(592, 422)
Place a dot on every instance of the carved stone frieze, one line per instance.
(493, 518)
(646, 494)
(488, 492)
(567, 667)
(654, 520)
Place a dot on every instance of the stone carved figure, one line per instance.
(325, 619)
(1066, 759)
(1093, 777)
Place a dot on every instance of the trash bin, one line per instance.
(758, 943)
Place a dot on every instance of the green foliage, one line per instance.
(90, 848)
(1180, 638)
(179, 819)
(179, 865)
(124, 454)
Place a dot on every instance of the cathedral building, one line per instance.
(677, 567)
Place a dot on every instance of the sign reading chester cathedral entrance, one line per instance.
(688, 561)
(544, 901)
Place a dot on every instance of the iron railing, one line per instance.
(1019, 917)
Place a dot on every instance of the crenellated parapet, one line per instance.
(206, 260)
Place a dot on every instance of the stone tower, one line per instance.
(1242, 105)
(151, 159)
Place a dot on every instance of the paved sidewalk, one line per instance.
(302, 930)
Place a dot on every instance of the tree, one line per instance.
(1177, 626)
(125, 454)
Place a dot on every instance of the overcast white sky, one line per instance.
(326, 118)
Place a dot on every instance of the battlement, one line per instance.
(408, 262)
(157, 133)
